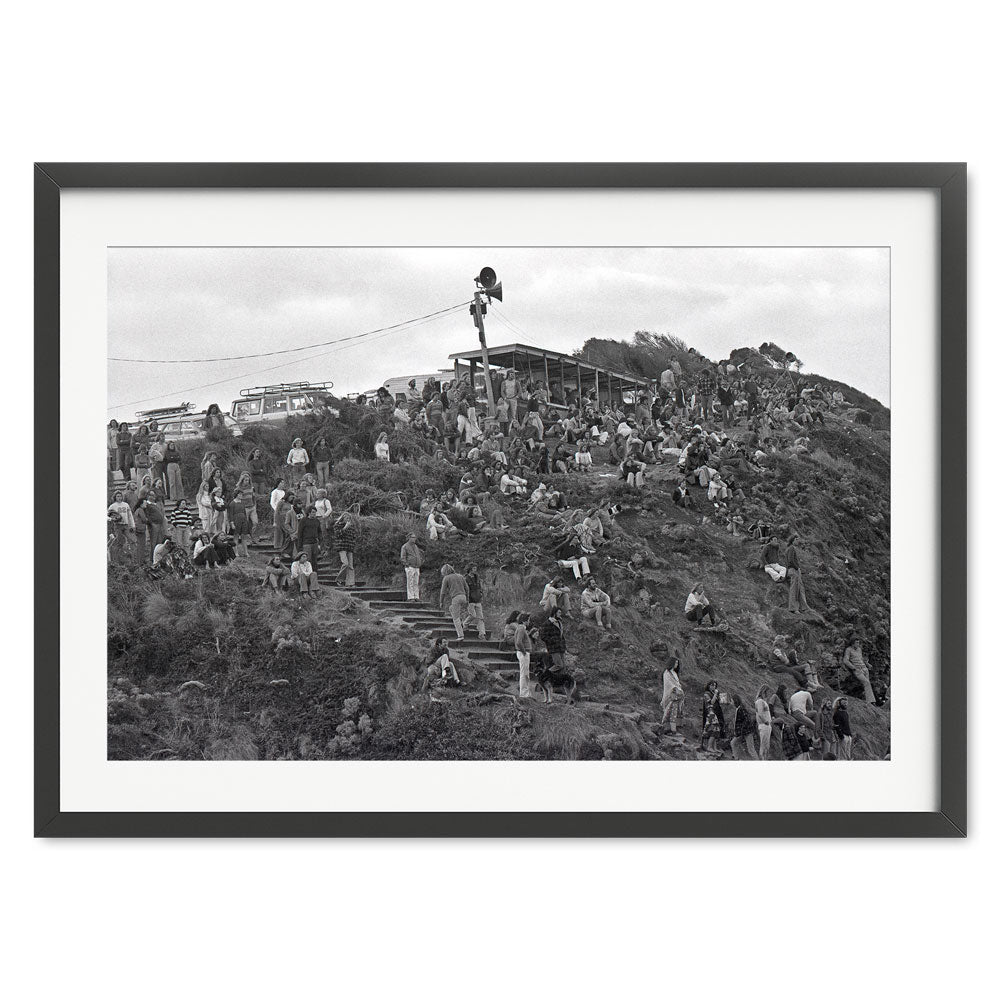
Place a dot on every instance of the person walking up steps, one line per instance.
(454, 597)
(475, 607)
(344, 540)
(412, 559)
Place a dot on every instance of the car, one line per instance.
(277, 402)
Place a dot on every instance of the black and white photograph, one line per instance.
(499, 504)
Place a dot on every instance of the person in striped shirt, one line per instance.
(181, 520)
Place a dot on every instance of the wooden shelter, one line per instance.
(564, 375)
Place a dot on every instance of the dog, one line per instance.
(551, 679)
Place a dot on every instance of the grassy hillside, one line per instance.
(205, 669)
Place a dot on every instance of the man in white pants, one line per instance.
(522, 646)
(412, 559)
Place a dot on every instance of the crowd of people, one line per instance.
(778, 724)
(715, 432)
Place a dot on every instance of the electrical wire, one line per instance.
(292, 350)
(513, 327)
(387, 331)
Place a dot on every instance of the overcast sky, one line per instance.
(829, 306)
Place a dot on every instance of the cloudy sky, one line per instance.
(829, 306)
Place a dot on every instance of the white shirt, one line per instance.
(323, 508)
(799, 702)
(695, 600)
(382, 450)
(301, 569)
(298, 456)
(276, 497)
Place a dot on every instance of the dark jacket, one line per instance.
(551, 633)
(475, 588)
(309, 531)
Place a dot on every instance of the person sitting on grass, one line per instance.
(439, 666)
(681, 496)
(277, 576)
(511, 485)
(583, 460)
(633, 473)
(717, 489)
(699, 605)
(555, 595)
(596, 604)
(204, 552)
(306, 576)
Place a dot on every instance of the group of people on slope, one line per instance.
(802, 731)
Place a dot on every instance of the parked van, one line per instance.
(277, 402)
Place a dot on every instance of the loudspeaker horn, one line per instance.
(487, 278)
(496, 292)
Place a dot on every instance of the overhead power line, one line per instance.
(292, 350)
(375, 334)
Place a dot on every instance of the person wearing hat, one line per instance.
(412, 559)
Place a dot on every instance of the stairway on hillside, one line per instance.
(422, 617)
(433, 623)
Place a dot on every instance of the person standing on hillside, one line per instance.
(672, 701)
(309, 536)
(412, 559)
(554, 637)
(454, 597)
(762, 711)
(744, 727)
(123, 441)
(711, 726)
(796, 590)
(842, 729)
(475, 608)
(297, 460)
(182, 521)
(258, 473)
(522, 647)
(172, 471)
(854, 661)
(322, 456)
(344, 540)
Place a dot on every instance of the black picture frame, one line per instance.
(947, 180)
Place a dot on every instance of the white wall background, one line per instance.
(518, 81)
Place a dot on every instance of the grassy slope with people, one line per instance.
(217, 668)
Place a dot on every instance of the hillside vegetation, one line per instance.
(218, 668)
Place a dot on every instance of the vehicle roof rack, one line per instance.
(165, 411)
(262, 390)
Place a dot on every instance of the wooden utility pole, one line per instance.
(477, 312)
